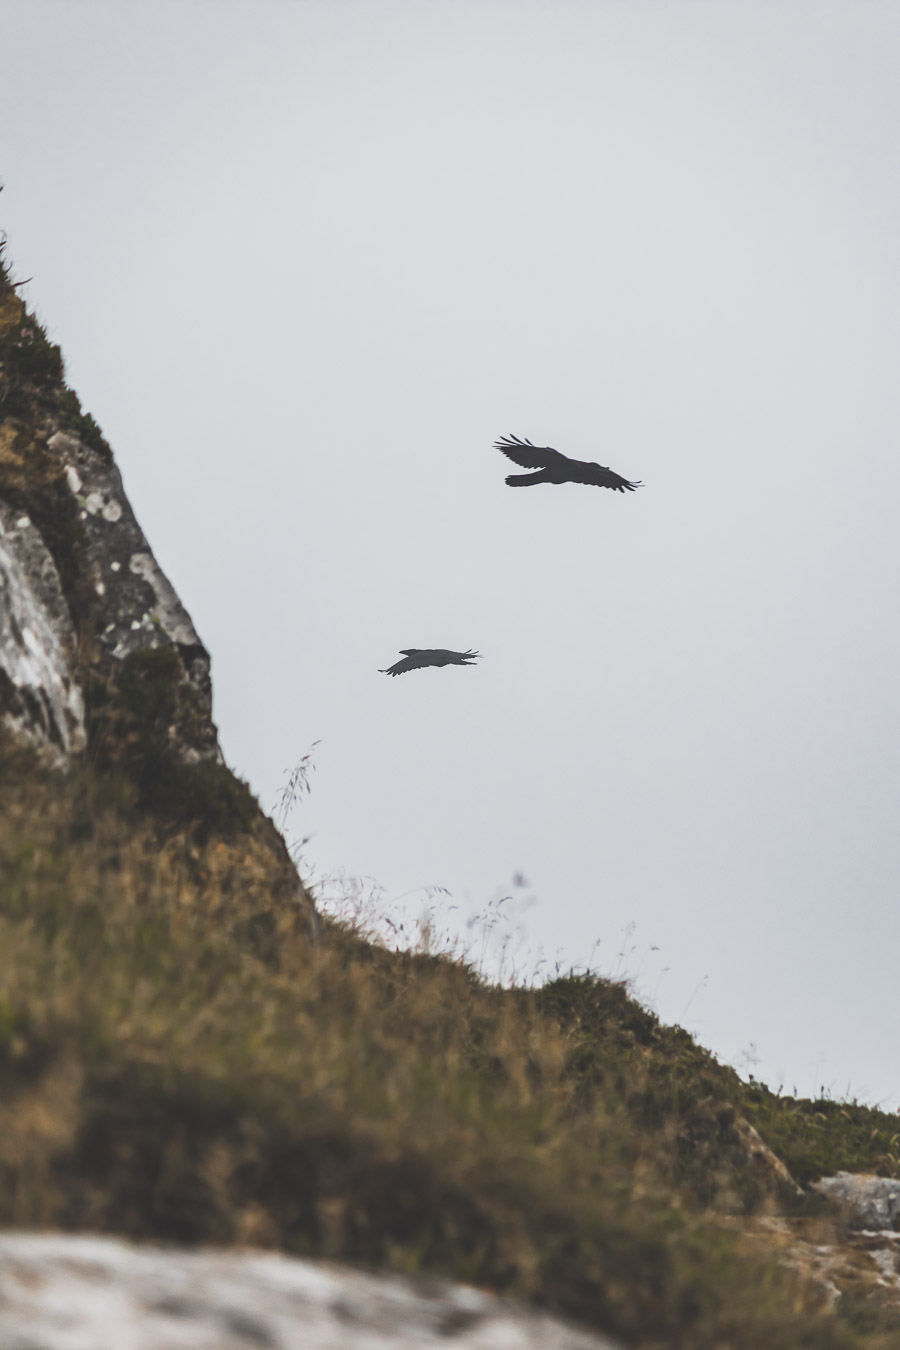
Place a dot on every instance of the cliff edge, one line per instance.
(100, 664)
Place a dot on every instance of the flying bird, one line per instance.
(417, 657)
(552, 467)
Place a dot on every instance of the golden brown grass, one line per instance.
(179, 1061)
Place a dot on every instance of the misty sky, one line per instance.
(308, 260)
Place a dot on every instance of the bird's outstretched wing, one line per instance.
(600, 476)
(417, 657)
(527, 455)
(444, 657)
(556, 467)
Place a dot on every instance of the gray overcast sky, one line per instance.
(308, 260)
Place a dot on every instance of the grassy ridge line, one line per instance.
(812, 1138)
(177, 1061)
(818, 1138)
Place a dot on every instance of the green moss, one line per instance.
(146, 685)
(132, 722)
(205, 797)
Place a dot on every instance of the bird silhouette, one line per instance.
(417, 657)
(553, 467)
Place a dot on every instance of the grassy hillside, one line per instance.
(180, 1060)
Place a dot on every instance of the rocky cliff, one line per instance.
(99, 660)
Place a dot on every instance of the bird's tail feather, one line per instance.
(526, 479)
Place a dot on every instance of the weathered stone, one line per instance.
(61, 1292)
(40, 700)
(136, 605)
(82, 590)
(132, 605)
(869, 1201)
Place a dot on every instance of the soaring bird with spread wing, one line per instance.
(552, 467)
(417, 657)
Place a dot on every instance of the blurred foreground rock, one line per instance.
(60, 1292)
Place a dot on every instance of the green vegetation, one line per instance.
(71, 418)
(130, 720)
(818, 1138)
(29, 357)
(812, 1138)
(32, 374)
(179, 1061)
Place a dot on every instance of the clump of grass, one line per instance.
(820, 1137)
(28, 355)
(32, 372)
(179, 1061)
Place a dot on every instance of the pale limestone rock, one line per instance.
(871, 1202)
(43, 702)
(132, 604)
(141, 607)
(168, 611)
(61, 1292)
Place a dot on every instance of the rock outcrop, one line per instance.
(99, 659)
(42, 701)
(868, 1201)
(76, 1293)
(83, 594)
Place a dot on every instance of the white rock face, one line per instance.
(169, 611)
(872, 1202)
(141, 600)
(44, 704)
(60, 1292)
(92, 555)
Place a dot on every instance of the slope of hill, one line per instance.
(187, 1054)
